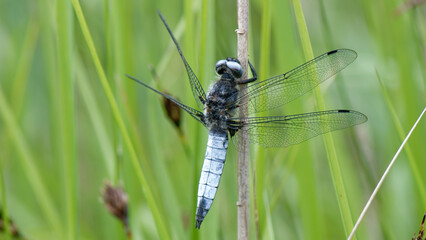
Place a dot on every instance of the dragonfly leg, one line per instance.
(253, 72)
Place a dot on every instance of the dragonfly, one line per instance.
(221, 104)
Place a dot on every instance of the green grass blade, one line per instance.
(113, 166)
(329, 144)
(67, 122)
(160, 224)
(116, 31)
(24, 66)
(265, 44)
(411, 159)
(20, 80)
(29, 166)
(96, 118)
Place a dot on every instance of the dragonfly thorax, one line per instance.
(221, 94)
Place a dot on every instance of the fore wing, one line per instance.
(281, 89)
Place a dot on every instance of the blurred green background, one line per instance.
(64, 132)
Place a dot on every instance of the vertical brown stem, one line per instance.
(244, 153)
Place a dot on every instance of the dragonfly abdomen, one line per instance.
(214, 160)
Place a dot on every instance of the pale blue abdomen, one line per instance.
(214, 160)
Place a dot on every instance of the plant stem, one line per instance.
(244, 151)
(67, 124)
(333, 163)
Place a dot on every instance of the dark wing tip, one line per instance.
(362, 118)
(347, 50)
(198, 223)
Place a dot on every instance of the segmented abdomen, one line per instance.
(214, 160)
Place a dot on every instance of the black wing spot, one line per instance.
(332, 52)
(345, 111)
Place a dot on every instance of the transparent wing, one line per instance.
(281, 89)
(199, 116)
(197, 89)
(283, 131)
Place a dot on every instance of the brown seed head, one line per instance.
(115, 200)
(173, 111)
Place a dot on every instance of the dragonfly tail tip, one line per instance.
(198, 223)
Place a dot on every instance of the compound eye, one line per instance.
(236, 68)
(220, 66)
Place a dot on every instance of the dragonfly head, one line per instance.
(229, 65)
